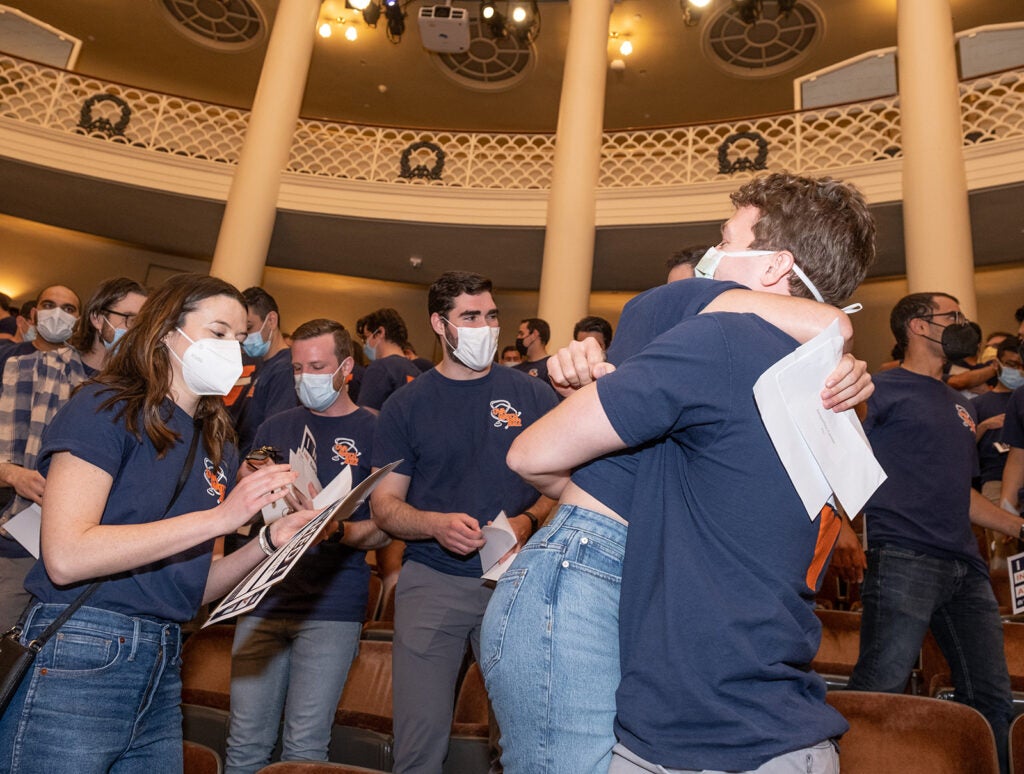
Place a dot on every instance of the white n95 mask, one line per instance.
(477, 346)
(210, 366)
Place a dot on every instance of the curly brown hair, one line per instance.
(824, 223)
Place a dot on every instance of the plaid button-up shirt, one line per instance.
(34, 387)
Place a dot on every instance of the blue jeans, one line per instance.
(104, 695)
(550, 646)
(904, 594)
(292, 665)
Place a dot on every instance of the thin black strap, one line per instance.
(69, 611)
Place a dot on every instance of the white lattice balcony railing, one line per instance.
(809, 141)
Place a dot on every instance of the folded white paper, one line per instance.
(500, 539)
(24, 527)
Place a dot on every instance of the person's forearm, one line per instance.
(364, 535)
(226, 572)
(107, 549)
(985, 514)
(1013, 477)
(399, 519)
(8, 471)
(965, 380)
(801, 318)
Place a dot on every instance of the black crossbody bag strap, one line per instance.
(37, 644)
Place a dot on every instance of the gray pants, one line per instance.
(13, 597)
(823, 758)
(435, 614)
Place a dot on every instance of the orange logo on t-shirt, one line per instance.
(505, 415)
(965, 417)
(345, 451)
(217, 480)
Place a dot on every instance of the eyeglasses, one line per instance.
(129, 317)
(958, 318)
(262, 454)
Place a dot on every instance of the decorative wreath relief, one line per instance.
(742, 163)
(90, 124)
(422, 170)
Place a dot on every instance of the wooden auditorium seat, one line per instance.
(938, 681)
(900, 734)
(383, 628)
(314, 767)
(468, 749)
(840, 645)
(200, 759)
(373, 598)
(206, 686)
(362, 731)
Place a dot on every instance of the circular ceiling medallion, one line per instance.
(221, 24)
(774, 43)
(490, 63)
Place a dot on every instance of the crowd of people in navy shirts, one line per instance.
(153, 426)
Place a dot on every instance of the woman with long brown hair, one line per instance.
(138, 465)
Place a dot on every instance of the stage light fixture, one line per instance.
(519, 14)
(487, 10)
(325, 30)
(371, 14)
(358, 5)
(396, 20)
(626, 48)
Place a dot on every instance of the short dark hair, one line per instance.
(688, 255)
(322, 326)
(509, 348)
(824, 223)
(260, 302)
(536, 324)
(1009, 344)
(452, 284)
(594, 324)
(26, 309)
(387, 318)
(78, 299)
(107, 293)
(910, 308)
(1000, 334)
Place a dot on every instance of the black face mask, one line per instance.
(960, 340)
(521, 348)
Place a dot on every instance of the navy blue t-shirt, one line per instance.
(382, 377)
(331, 581)
(922, 433)
(645, 317)
(716, 614)
(170, 589)
(454, 436)
(1013, 426)
(991, 461)
(272, 391)
(535, 368)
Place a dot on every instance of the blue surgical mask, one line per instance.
(370, 352)
(316, 391)
(30, 333)
(254, 345)
(1011, 378)
(118, 335)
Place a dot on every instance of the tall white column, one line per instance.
(248, 224)
(936, 218)
(569, 238)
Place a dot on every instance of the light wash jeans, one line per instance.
(822, 758)
(904, 594)
(104, 695)
(550, 646)
(292, 665)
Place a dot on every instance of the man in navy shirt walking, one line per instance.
(924, 568)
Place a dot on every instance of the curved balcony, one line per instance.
(67, 121)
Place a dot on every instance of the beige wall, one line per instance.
(34, 255)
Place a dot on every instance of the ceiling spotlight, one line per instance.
(519, 14)
(396, 20)
(359, 5)
(325, 30)
(351, 33)
(371, 14)
(700, 3)
(487, 10)
(626, 48)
